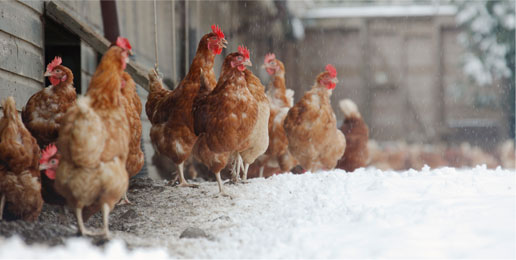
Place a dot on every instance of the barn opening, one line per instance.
(61, 42)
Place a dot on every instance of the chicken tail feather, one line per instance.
(155, 82)
(9, 107)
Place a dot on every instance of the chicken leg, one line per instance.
(221, 189)
(261, 172)
(182, 180)
(2, 204)
(105, 218)
(80, 223)
(244, 176)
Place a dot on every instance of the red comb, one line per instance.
(56, 62)
(49, 151)
(244, 51)
(216, 30)
(123, 43)
(330, 69)
(269, 57)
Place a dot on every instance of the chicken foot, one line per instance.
(2, 204)
(182, 180)
(222, 192)
(125, 200)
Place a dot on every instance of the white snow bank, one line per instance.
(441, 213)
(75, 248)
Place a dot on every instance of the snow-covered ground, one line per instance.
(439, 213)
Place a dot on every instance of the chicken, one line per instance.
(44, 111)
(311, 126)
(280, 100)
(225, 117)
(170, 112)
(357, 133)
(259, 137)
(20, 189)
(133, 109)
(94, 142)
(48, 163)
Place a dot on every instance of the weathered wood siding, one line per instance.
(21, 49)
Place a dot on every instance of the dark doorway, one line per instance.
(61, 42)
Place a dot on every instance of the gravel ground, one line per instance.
(159, 215)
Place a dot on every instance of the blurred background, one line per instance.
(434, 80)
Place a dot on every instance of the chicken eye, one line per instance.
(53, 161)
(273, 63)
(58, 71)
(239, 58)
(213, 38)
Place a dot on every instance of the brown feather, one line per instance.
(19, 160)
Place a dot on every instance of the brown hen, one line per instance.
(170, 112)
(311, 126)
(94, 142)
(20, 188)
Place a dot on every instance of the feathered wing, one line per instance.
(44, 110)
(229, 114)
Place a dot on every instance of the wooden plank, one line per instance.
(18, 87)
(93, 39)
(21, 58)
(37, 6)
(19, 20)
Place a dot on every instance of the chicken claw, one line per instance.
(182, 180)
(124, 201)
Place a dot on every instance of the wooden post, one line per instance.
(110, 19)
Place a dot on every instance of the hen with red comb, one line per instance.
(311, 126)
(44, 110)
(170, 111)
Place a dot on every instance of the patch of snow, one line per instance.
(438, 213)
(14, 247)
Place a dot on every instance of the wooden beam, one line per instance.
(92, 38)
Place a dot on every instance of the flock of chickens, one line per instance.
(81, 152)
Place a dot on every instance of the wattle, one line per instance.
(54, 81)
(50, 174)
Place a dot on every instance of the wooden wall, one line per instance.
(404, 74)
(21, 49)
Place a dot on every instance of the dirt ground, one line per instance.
(158, 216)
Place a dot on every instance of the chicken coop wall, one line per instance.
(21, 50)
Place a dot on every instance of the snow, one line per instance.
(439, 213)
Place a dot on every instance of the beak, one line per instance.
(335, 80)
(43, 167)
(130, 52)
(47, 74)
(223, 43)
(248, 63)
